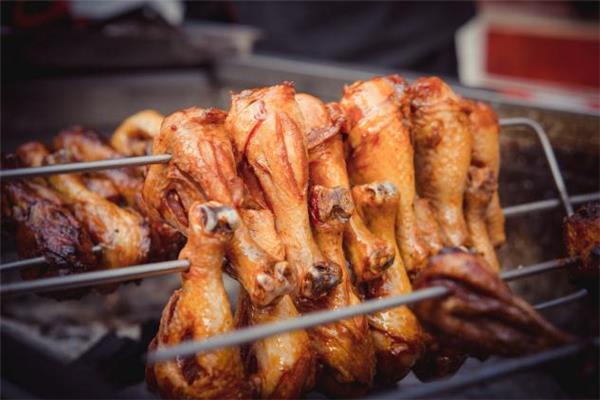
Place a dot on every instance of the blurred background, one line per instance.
(94, 63)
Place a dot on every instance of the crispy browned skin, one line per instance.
(135, 135)
(396, 333)
(199, 310)
(344, 348)
(486, 153)
(123, 233)
(481, 186)
(269, 133)
(582, 237)
(428, 225)
(480, 315)
(368, 255)
(281, 366)
(443, 141)
(381, 151)
(83, 145)
(203, 168)
(45, 227)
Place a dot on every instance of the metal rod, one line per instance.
(32, 262)
(87, 166)
(527, 208)
(250, 334)
(487, 374)
(511, 211)
(561, 300)
(94, 278)
(534, 269)
(549, 152)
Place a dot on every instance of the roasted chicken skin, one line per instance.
(397, 335)
(582, 237)
(84, 145)
(382, 151)
(480, 315)
(45, 227)
(281, 366)
(486, 153)
(481, 186)
(203, 169)
(269, 134)
(443, 142)
(80, 145)
(123, 233)
(344, 348)
(199, 310)
(135, 135)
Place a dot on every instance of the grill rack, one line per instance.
(253, 333)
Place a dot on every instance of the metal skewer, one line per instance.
(253, 333)
(32, 262)
(94, 278)
(511, 211)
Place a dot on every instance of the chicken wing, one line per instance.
(397, 335)
(480, 315)
(199, 310)
(291, 352)
(582, 237)
(269, 133)
(443, 142)
(135, 135)
(481, 186)
(344, 348)
(45, 227)
(203, 168)
(123, 233)
(486, 152)
(381, 151)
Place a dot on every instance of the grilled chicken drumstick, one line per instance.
(203, 169)
(291, 352)
(123, 233)
(481, 186)
(396, 333)
(81, 145)
(200, 309)
(443, 141)
(486, 153)
(45, 227)
(135, 135)
(480, 314)
(382, 151)
(269, 134)
(344, 348)
(582, 237)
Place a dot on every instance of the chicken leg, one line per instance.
(344, 348)
(382, 151)
(486, 152)
(203, 168)
(269, 133)
(135, 135)
(443, 142)
(396, 333)
(199, 310)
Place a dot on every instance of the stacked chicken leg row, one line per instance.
(313, 207)
(61, 217)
